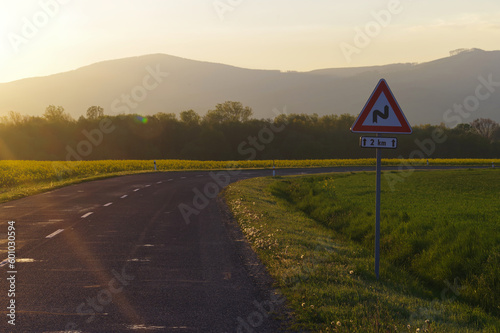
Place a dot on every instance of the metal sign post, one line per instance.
(377, 212)
(373, 120)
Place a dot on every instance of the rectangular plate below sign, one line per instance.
(378, 142)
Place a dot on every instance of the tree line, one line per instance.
(228, 132)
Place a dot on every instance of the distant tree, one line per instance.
(464, 128)
(227, 112)
(485, 127)
(303, 119)
(190, 117)
(496, 134)
(56, 114)
(346, 120)
(14, 118)
(95, 112)
(162, 116)
(294, 136)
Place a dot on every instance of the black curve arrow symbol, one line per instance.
(378, 113)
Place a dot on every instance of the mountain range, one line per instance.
(458, 88)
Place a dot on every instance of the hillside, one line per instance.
(424, 91)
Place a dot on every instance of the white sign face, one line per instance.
(378, 142)
(382, 114)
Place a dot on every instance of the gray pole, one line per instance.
(377, 213)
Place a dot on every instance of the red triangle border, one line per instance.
(358, 127)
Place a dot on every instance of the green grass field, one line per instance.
(440, 249)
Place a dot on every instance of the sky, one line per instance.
(43, 37)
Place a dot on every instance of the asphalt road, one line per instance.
(149, 252)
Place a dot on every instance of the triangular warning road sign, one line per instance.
(381, 114)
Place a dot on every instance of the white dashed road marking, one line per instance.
(87, 215)
(137, 189)
(55, 233)
(108, 204)
(123, 196)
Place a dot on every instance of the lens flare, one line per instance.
(141, 119)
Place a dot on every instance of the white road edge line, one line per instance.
(87, 215)
(55, 233)
(108, 204)
(123, 196)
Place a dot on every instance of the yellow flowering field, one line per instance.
(14, 173)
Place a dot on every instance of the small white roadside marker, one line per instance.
(55, 233)
(87, 215)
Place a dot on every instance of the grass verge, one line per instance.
(314, 234)
(27, 189)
